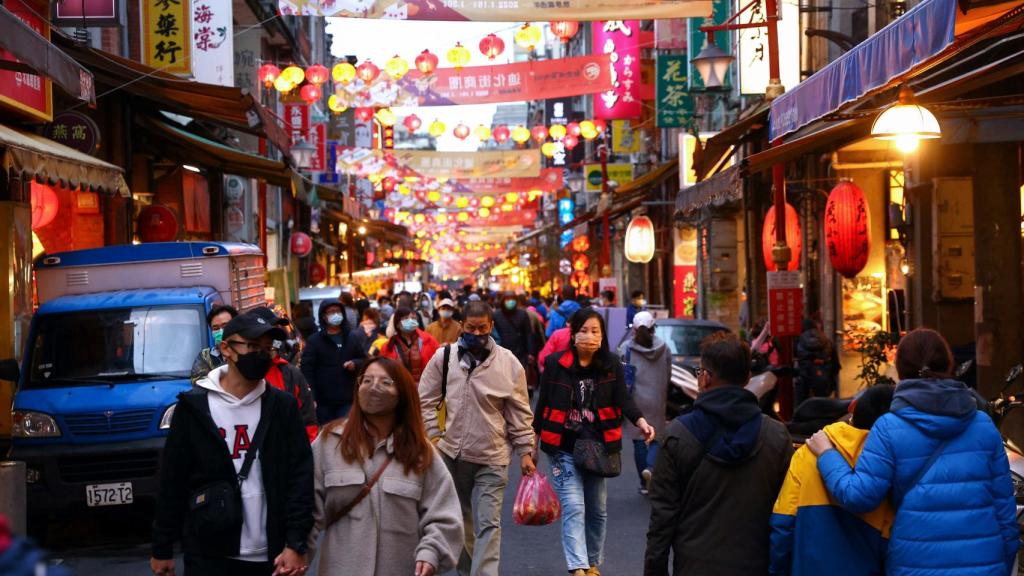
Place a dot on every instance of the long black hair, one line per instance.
(603, 358)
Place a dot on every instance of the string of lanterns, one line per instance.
(568, 134)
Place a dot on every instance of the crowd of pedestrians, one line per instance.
(387, 450)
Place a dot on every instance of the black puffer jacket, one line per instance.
(323, 363)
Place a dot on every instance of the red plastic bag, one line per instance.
(536, 502)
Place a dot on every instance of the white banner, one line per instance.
(213, 52)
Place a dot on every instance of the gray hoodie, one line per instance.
(653, 373)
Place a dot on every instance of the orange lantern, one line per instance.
(640, 240)
(317, 74)
(848, 229)
(45, 205)
(581, 243)
(794, 238)
(461, 131)
(564, 29)
(492, 46)
(268, 73)
(426, 62)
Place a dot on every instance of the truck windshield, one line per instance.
(109, 346)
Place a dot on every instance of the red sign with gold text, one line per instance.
(27, 93)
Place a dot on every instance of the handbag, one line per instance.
(442, 404)
(592, 455)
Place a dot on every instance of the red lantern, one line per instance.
(317, 74)
(573, 129)
(581, 243)
(367, 71)
(539, 133)
(157, 224)
(364, 113)
(301, 244)
(412, 122)
(492, 46)
(461, 131)
(794, 238)
(45, 205)
(388, 184)
(501, 134)
(600, 125)
(426, 62)
(564, 29)
(570, 141)
(310, 93)
(580, 262)
(317, 273)
(268, 73)
(848, 229)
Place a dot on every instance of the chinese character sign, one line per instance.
(497, 10)
(625, 137)
(752, 58)
(620, 40)
(296, 118)
(167, 39)
(674, 104)
(28, 93)
(785, 303)
(213, 55)
(318, 139)
(247, 56)
(74, 130)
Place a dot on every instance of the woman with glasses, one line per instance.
(380, 486)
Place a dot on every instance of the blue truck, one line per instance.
(109, 349)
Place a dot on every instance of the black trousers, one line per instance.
(215, 566)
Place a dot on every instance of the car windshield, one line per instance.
(109, 346)
(684, 340)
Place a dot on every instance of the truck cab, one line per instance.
(110, 348)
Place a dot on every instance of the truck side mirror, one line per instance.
(9, 370)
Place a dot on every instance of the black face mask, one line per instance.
(644, 337)
(254, 365)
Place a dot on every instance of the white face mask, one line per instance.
(335, 319)
(446, 314)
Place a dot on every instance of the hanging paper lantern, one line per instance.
(564, 29)
(294, 74)
(367, 71)
(343, 73)
(581, 243)
(336, 104)
(386, 117)
(436, 129)
(364, 113)
(317, 74)
(570, 141)
(283, 85)
(462, 217)
(520, 135)
(412, 122)
(501, 134)
(588, 130)
(528, 36)
(396, 67)
(310, 93)
(461, 202)
(487, 201)
(573, 129)
(492, 46)
(580, 262)
(548, 149)
(511, 197)
(461, 131)
(482, 132)
(45, 205)
(640, 240)
(459, 55)
(268, 73)
(557, 131)
(426, 62)
(539, 133)
(434, 196)
(794, 238)
(600, 125)
(484, 212)
(848, 229)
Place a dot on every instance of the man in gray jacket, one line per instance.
(488, 417)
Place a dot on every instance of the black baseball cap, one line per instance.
(268, 315)
(252, 326)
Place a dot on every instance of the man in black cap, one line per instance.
(236, 480)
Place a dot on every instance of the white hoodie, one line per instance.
(237, 419)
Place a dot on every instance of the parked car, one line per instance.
(683, 338)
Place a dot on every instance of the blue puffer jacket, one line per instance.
(959, 518)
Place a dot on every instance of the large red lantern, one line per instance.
(157, 224)
(317, 273)
(848, 229)
(364, 113)
(45, 205)
(268, 73)
(501, 134)
(539, 133)
(426, 62)
(301, 244)
(492, 46)
(794, 238)
(570, 141)
(367, 71)
(310, 93)
(564, 29)
(317, 74)
(412, 122)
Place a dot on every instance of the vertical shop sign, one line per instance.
(785, 303)
(247, 54)
(674, 104)
(566, 214)
(330, 173)
(620, 39)
(625, 138)
(721, 10)
(556, 111)
(317, 138)
(752, 54)
(28, 93)
(684, 278)
(166, 33)
(213, 52)
(296, 116)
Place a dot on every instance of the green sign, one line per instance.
(721, 10)
(674, 105)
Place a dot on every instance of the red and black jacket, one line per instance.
(611, 400)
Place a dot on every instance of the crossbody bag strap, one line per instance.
(922, 471)
(257, 440)
(361, 496)
(444, 371)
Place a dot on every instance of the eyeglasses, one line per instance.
(386, 382)
(249, 346)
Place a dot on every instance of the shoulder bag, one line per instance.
(442, 404)
(920, 473)
(359, 497)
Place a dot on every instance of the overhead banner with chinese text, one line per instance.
(550, 180)
(498, 11)
(620, 41)
(167, 42)
(28, 93)
(489, 164)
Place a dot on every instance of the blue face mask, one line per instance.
(473, 342)
(410, 325)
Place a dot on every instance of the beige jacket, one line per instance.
(488, 412)
(404, 519)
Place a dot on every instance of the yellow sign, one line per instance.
(687, 146)
(625, 138)
(167, 42)
(620, 173)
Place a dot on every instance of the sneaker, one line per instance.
(646, 475)
(643, 491)
(593, 571)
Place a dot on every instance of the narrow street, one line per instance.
(116, 544)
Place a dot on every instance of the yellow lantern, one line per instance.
(588, 130)
(512, 197)
(336, 104)
(484, 212)
(528, 36)
(462, 217)
(434, 196)
(386, 117)
(461, 202)
(557, 131)
(419, 218)
(487, 201)
(520, 134)
(396, 67)
(548, 149)
(483, 132)
(640, 240)
(283, 85)
(441, 218)
(343, 73)
(294, 74)
(508, 207)
(459, 55)
(436, 129)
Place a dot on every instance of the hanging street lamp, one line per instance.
(302, 154)
(712, 63)
(906, 123)
(640, 240)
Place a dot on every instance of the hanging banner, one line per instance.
(166, 35)
(620, 41)
(625, 138)
(28, 93)
(550, 180)
(365, 162)
(510, 11)
(674, 105)
(213, 52)
(296, 117)
(752, 56)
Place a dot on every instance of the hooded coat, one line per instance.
(653, 375)
(323, 362)
(959, 518)
(716, 478)
(559, 317)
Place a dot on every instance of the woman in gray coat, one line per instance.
(410, 520)
(652, 362)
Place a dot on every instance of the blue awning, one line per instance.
(910, 40)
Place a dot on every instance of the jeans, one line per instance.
(328, 412)
(196, 565)
(584, 499)
(481, 491)
(644, 456)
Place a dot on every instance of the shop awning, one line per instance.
(39, 55)
(191, 148)
(43, 159)
(707, 158)
(226, 105)
(719, 190)
(653, 178)
(386, 231)
(911, 42)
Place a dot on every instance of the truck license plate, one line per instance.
(108, 494)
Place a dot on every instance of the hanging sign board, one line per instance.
(166, 36)
(785, 303)
(620, 41)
